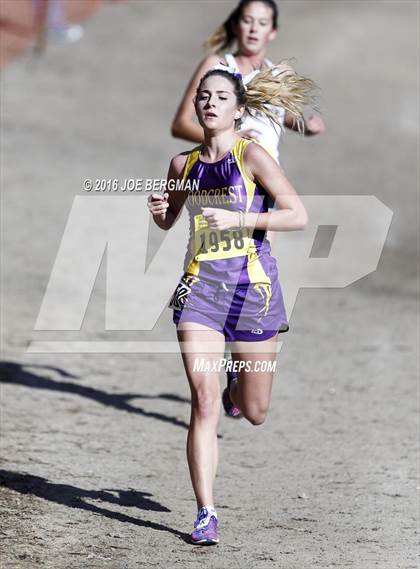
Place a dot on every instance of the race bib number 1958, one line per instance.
(212, 244)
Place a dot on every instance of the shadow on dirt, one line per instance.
(15, 373)
(74, 497)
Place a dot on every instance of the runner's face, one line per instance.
(255, 28)
(216, 105)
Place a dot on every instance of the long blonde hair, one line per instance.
(281, 86)
(278, 85)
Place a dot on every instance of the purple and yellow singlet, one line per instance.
(230, 271)
(233, 256)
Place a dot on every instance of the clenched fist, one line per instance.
(314, 125)
(218, 218)
(158, 205)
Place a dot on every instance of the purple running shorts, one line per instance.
(246, 313)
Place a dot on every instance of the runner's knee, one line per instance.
(255, 415)
(205, 404)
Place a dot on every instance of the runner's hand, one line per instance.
(314, 125)
(158, 205)
(218, 218)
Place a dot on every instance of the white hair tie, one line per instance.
(222, 67)
(236, 73)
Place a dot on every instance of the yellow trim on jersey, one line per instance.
(190, 279)
(238, 153)
(191, 160)
(194, 265)
(255, 269)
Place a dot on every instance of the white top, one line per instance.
(270, 132)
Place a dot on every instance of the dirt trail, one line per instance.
(93, 472)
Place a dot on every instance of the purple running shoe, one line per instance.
(228, 405)
(205, 532)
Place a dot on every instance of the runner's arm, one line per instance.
(312, 125)
(291, 215)
(166, 208)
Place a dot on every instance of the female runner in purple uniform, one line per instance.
(252, 25)
(229, 290)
